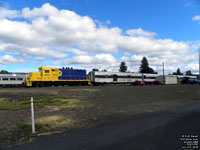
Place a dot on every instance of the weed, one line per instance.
(1, 129)
(25, 130)
(23, 125)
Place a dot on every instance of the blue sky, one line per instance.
(99, 34)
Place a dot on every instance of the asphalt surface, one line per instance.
(160, 131)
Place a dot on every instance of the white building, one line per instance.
(168, 79)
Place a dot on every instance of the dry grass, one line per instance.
(55, 121)
(64, 104)
(2, 100)
(45, 126)
(42, 102)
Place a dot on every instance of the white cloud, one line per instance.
(97, 59)
(45, 10)
(134, 58)
(8, 59)
(196, 18)
(40, 58)
(193, 67)
(108, 22)
(77, 51)
(18, 32)
(140, 32)
(6, 13)
(46, 53)
(47, 32)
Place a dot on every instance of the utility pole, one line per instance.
(163, 72)
(163, 69)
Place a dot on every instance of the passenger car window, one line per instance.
(19, 79)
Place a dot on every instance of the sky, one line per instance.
(87, 34)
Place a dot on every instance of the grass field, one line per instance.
(41, 102)
(64, 109)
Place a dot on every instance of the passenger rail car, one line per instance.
(11, 80)
(53, 77)
(149, 78)
(98, 77)
(181, 77)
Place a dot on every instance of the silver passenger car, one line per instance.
(100, 77)
(11, 80)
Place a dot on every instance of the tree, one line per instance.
(188, 72)
(95, 69)
(178, 72)
(144, 68)
(123, 67)
(104, 70)
(4, 72)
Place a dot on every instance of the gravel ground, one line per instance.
(107, 104)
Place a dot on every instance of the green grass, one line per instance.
(26, 130)
(42, 102)
(1, 129)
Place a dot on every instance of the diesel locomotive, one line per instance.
(48, 76)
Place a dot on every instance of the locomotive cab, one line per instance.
(45, 74)
(49, 74)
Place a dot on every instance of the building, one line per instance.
(168, 79)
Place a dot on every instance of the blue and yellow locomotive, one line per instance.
(48, 76)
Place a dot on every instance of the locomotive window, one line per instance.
(12, 79)
(5, 78)
(19, 79)
(46, 71)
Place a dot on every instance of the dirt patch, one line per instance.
(59, 109)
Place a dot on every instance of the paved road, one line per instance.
(159, 131)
